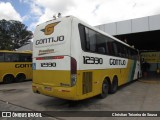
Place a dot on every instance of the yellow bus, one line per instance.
(73, 60)
(15, 66)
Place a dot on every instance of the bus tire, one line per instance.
(105, 89)
(114, 85)
(20, 77)
(8, 79)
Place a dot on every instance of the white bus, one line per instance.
(73, 60)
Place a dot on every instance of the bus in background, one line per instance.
(74, 61)
(15, 66)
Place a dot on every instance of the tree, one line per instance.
(13, 35)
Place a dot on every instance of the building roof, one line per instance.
(149, 23)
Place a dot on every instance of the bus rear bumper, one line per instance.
(67, 93)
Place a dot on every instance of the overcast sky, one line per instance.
(94, 12)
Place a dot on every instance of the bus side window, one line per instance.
(101, 50)
(1, 57)
(29, 58)
(125, 51)
(87, 40)
(83, 37)
(25, 58)
(119, 50)
(101, 43)
(129, 53)
(91, 39)
(115, 49)
(7, 57)
(15, 57)
(110, 46)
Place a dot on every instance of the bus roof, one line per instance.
(8, 51)
(94, 28)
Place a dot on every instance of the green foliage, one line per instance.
(13, 34)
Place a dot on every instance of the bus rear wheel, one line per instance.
(105, 89)
(114, 86)
(20, 77)
(8, 79)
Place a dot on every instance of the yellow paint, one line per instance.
(53, 80)
(9, 68)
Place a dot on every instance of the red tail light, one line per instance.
(73, 66)
(73, 71)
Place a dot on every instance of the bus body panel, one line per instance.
(51, 57)
(78, 91)
(21, 66)
(52, 78)
(17, 68)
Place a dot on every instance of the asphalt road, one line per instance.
(142, 95)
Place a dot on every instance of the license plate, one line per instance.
(48, 88)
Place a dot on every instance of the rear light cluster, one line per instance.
(73, 71)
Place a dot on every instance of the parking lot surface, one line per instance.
(141, 95)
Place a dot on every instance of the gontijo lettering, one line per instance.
(50, 40)
(23, 65)
(117, 62)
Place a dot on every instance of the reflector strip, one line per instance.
(49, 57)
(58, 57)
